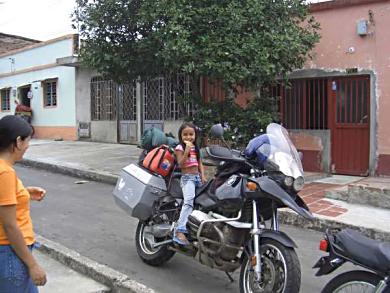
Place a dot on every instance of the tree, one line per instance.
(239, 42)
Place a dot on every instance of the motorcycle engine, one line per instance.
(220, 239)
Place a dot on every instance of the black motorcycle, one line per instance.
(350, 246)
(234, 223)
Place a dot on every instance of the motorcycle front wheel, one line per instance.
(354, 281)
(280, 270)
(150, 255)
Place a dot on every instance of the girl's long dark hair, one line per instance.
(181, 142)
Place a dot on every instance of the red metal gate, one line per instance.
(351, 125)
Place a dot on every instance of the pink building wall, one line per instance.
(341, 47)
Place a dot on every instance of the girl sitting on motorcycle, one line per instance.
(188, 159)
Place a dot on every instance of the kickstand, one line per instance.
(230, 277)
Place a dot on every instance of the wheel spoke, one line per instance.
(355, 287)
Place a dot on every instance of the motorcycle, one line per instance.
(234, 223)
(350, 246)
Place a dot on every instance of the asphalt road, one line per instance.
(84, 217)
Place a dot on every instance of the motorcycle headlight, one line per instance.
(298, 184)
(288, 181)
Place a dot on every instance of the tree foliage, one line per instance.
(241, 123)
(240, 42)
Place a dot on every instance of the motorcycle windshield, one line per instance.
(280, 153)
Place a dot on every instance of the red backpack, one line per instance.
(160, 160)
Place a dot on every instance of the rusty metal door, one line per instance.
(351, 127)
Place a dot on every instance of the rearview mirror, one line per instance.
(217, 131)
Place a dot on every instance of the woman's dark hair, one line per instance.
(190, 125)
(12, 127)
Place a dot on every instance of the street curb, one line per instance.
(321, 224)
(85, 174)
(117, 281)
(286, 217)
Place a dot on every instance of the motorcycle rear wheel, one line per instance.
(281, 271)
(353, 281)
(148, 254)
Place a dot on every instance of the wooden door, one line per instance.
(350, 134)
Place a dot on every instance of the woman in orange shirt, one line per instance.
(19, 271)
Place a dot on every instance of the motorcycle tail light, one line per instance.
(324, 245)
(251, 186)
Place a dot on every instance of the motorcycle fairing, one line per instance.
(272, 188)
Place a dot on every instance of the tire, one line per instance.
(357, 279)
(151, 256)
(289, 273)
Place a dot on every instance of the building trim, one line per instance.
(30, 69)
(55, 132)
(336, 4)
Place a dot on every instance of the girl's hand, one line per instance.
(36, 193)
(189, 144)
(37, 275)
(204, 180)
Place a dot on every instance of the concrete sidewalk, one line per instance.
(103, 162)
(59, 278)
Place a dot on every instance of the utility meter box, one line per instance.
(362, 27)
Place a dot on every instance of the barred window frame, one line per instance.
(5, 101)
(50, 93)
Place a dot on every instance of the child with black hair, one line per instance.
(188, 158)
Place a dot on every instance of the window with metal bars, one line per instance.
(168, 98)
(352, 100)
(5, 99)
(50, 93)
(304, 104)
(103, 99)
(165, 98)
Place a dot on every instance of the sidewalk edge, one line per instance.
(321, 224)
(86, 174)
(117, 281)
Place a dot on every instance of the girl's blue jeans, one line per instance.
(188, 183)
(14, 276)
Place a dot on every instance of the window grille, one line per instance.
(304, 104)
(178, 101)
(164, 98)
(103, 99)
(5, 99)
(50, 93)
(127, 102)
(352, 100)
(168, 98)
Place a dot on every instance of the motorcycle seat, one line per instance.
(368, 252)
(224, 154)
